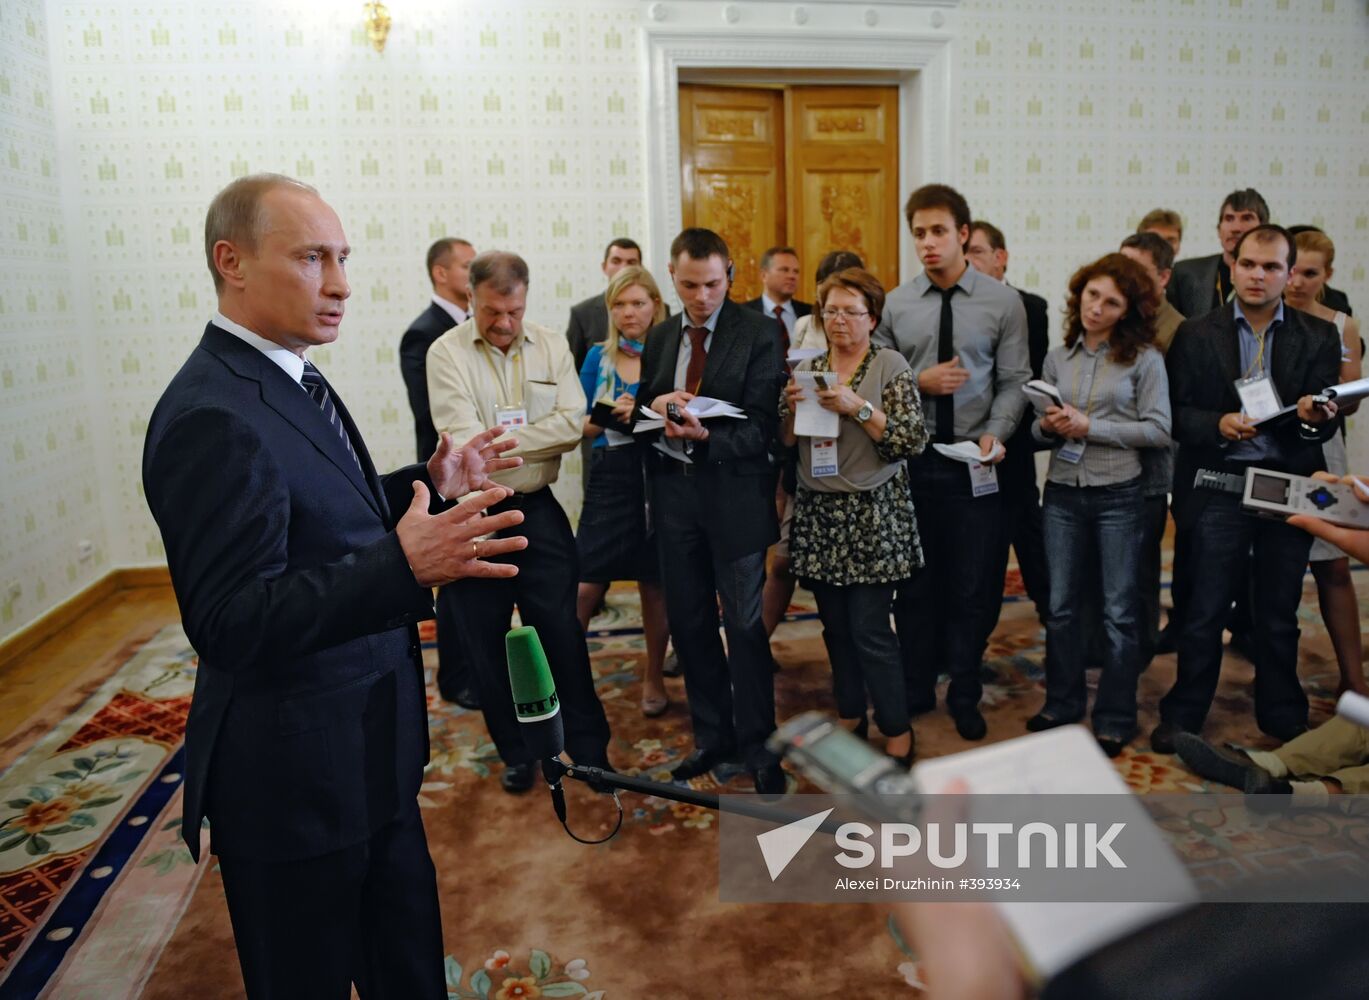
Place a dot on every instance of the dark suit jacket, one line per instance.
(1334, 298)
(1193, 284)
(1203, 364)
(1019, 463)
(736, 473)
(588, 326)
(307, 728)
(432, 323)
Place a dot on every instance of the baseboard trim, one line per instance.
(49, 624)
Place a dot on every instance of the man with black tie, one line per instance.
(965, 335)
(987, 252)
(449, 265)
(1201, 284)
(300, 574)
(713, 505)
(1226, 369)
(589, 318)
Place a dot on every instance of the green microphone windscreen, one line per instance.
(534, 691)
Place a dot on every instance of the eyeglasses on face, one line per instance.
(831, 314)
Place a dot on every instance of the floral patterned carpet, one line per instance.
(99, 898)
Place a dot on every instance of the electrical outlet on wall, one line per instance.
(85, 550)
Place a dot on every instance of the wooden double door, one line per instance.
(811, 167)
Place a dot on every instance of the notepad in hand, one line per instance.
(1042, 395)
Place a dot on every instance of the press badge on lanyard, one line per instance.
(510, 416)
(1072, 451)
(1259, 398)
(823, 461)
(983, 479)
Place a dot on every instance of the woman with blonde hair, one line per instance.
(613, 538)
(1330, 567)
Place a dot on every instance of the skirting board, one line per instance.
(35, 634)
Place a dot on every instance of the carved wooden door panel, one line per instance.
(732, 155)
(842, 174)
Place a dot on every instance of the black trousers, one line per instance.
(544, 592)
(946, 611)
(1022, 517)
(367, 914)
(1220, 539)
(731, 694)
(863, 651)
(453, 669)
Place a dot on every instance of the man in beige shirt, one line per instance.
(496, 370)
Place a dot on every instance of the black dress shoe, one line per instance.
(1227, 766)
(1111, 745)
(769, 779)
(1162, 737)
(1040, 722)
(970, 724)
(697, 763)
(518, 778)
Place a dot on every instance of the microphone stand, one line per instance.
(554, 769)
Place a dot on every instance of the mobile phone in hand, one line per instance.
(672, 413)
(820, 380)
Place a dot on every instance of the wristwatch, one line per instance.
(865, 412)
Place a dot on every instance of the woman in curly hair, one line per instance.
(1116, 402)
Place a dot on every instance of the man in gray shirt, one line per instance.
(965, 336)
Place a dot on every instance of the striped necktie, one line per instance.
(313, 383)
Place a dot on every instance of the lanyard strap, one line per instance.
(1258, 363)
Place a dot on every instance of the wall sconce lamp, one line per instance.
(377, 24)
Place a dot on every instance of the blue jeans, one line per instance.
(1087, 527)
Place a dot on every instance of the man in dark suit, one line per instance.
(449, 267)
(589, 319)
(1221, 365)
(987, 251)
(300, 574)
(712, 490)
(780, 281)
(1201, 284)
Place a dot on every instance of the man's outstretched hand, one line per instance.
(458, 471)
(448, 546)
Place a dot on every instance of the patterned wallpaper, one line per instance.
(50, 496)
(522, 125)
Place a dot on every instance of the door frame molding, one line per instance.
(911, 39)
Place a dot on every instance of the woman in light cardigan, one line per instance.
(854, 536)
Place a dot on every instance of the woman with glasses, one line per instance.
(1116, 402)
(1330, 567)
(854, 535)
(612, 539)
